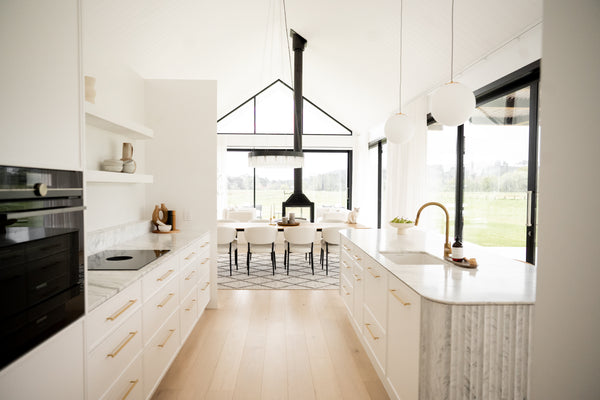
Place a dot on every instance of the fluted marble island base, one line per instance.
(474, 351)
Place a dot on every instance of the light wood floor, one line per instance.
(273, 344)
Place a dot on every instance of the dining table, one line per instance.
(241, 226)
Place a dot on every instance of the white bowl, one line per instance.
(402, 228)
(112, 165)
(164, 228)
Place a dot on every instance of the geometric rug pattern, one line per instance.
(261, 273)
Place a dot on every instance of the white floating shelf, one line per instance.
(116, 177)
(104, 121)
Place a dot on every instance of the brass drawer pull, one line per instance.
(204, 244)
(356, 277)
(122, 345)
(191, 305)
(393, 292)
(187, 278)
(166, 300)
(165, 276)
(373, 274)
(205, 260)
(131, 386)
(205, 286)
(347, 248)
(121, 311)
(346, 265)
(369, 329)
(356, 257)
(345, 291)
(163, 344)
(192, 254)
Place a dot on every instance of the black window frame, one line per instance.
(348, 177)
(253, 99)
(527, 76)
(379, 143)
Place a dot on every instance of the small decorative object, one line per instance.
(402, 225)
(164, 219)
(457, 251)
(352, 215)
(112, 165)
(292, 218)
(165, 212)
(284, 220)
(172, 218)
(90, 89)
(129, 166)
(164, 228)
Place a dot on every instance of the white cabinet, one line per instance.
(404, 322)
(52, 371)
(134, 336)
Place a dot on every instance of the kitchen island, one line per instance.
(434, 330)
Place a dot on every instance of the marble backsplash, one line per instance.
(107, 237)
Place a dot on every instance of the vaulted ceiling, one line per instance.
(351, 64)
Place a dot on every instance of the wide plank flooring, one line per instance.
(272, 344)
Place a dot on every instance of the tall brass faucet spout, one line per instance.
(447, 249)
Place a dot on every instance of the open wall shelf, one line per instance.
(102, 120)
(92, 176)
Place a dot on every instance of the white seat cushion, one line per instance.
(261, 248)
(224, 248)
(297, 248)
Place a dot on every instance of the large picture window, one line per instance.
(493, 183)
(326, 180)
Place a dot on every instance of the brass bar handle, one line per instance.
(356, 257)
(356, 278)
(369, 329)
(347, 248)
(205, 260)
(345, 291)
(163, 344)
(346, 265)
(372, 274)
(205, 286)
(192, 254)
(393, 292)
(121, 310)
(122, 345)
(187, 278)
(131, 386)
(166, 300)
(191, 305)
(204, 244)
(165, 276)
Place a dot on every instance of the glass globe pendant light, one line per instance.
(399, 128)
(453, 103)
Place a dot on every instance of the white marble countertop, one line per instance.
(102, 285)
(496, 280)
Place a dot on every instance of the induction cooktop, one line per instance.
(121, 260)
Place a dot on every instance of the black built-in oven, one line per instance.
(41, 256)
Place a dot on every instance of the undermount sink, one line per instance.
(412, 258)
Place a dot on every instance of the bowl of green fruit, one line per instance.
(402, 224)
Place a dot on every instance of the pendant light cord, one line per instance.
(452, 45)
(400, 85)
(287, 36)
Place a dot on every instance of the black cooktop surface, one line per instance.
(119, 260)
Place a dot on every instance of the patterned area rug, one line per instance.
(261, 273)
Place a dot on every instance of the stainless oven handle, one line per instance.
(10, 194)
(39, 213)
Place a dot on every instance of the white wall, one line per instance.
(183, 154)
(566, 353)
(40, 93)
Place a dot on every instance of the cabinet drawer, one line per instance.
(346, 266)
(159, 352)
(358, 291)
(159, 308)
(375, 337)
(375, 278)
(129, 386)
(112, 313)
(203, 293)
(188, 279)
(404, 321)
(113, 355)
(346, 293)
(189, 254)
(188, 313)
(159, 277)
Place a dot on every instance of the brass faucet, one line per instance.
(447, 249)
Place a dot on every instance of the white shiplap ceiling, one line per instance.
(351, 64)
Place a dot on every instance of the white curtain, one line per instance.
(407, 168)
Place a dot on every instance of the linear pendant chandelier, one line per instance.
(277, 158)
